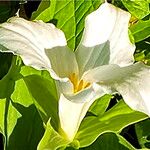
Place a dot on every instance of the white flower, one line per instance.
(102, 63)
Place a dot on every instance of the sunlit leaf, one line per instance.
(113, 120)
(51, 139)
(68, 15)
(18, 117)
(28, 130)
(45, 96)
(138, 8)
(100, 105)
(108, 141)
(141, 30)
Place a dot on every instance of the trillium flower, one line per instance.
(102, 63)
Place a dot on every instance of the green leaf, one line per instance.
(45, 96)
(69, 16)
(141, 30)
(143, 133)
(142, 51)
(138, 8)
(51, 139)
(21, 93)
(108, 141)
(131, 37)
(43, 12)
(7, 121)
(8, 118)
(113, 120)
(19, 119)
(28, 130)
(100, 105)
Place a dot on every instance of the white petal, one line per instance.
(99, 25)
(132, 82)
(135, 87)
(102, 74)
(28, 39)
(91, 57)
(63, 61)
(64, 85)
(106, 35)
(72, 109)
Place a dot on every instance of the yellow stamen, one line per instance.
(87, 84)
(78, 84)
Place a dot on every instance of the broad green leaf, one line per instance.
(100, 105)
(51, 139)
(8, 118)
(43, 12)
(15, 104)
(7, 121)
(28, 130)
(113, 120)
(21, 94)
(143, 133)
(68, 15)
(45, 96)
(141, 30)
(26, 71)
(21, 91)
(19, 126)
(138, 8)
(108, 141)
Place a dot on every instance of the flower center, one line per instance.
(78, 84)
